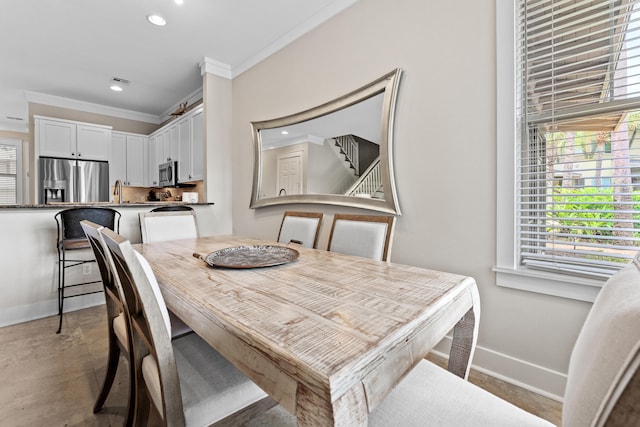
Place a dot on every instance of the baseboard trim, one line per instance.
(39, 310)
(535, 378)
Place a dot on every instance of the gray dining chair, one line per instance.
(117, 335)
(185, 381)
(368, 236)
(301, 228)
(603, 382)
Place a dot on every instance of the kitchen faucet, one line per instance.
(117, 190)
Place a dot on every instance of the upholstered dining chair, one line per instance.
(185, 380)
(172, 208)
(162, 225)
(301, 228)
(118, 337)
(367, 236)
(603, 382)
(167, 225)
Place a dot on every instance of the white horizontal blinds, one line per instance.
(8, 174)
(578, 64)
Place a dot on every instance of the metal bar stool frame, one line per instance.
(71, 237)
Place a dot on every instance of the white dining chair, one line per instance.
(603, 382)
(367, 236)
(185, 381)
(301, 228)
(160, 226)
(167, 225)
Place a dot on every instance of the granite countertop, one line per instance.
(59, 205)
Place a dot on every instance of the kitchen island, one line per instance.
(29, 260)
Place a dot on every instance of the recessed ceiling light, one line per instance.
(115, 88)
(179, 1)
(157, 20)
(284, 132)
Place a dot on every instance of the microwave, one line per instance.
(168, 174)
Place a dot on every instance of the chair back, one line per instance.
(603, 384)
(301, 228)
(367, 236)
(171, 225)
(114, 300)
(68, 221)
(150, 325)
(172, 208)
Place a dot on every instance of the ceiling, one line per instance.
(67, 52)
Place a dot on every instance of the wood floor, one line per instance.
(51, 379)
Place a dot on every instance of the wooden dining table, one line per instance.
(326, 335)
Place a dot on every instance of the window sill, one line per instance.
(542, 282)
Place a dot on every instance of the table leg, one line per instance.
(349, 410)
(465, 335)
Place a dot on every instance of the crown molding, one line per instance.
(74, 104)
(211, 66)
(191, 99)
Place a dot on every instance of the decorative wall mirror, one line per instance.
(338, 153)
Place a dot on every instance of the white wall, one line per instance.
(445, 158)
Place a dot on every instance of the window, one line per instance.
(569, 205)
(10, 171)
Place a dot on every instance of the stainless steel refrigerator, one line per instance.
(78, 181)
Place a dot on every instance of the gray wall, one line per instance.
(445, 159)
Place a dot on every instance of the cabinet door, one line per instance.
(184, 150)
(171, 143)
(135, 161)
(197, 146)
(56, 139)
(152, 162)
(118, 159)
(93, 142)
(163, 149)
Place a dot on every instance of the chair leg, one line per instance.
(61, 264)
(142, 403)
(131, 411)
(112, 367)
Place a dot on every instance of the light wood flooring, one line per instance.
(51, 379)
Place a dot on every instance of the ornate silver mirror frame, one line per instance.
(379, 95)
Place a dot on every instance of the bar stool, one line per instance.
(71, 237)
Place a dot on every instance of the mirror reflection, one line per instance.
(337, 153)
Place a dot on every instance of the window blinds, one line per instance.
(578, 114)
(8, 174)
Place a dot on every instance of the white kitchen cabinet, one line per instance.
(171, 143)
(183, 141)
(128, 160)
(197, 146)
(191, 153)
(184, 149)
(72, 140)
(152, 159)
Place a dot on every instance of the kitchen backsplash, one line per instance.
(141, 194)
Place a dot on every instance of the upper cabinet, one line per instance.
(128, 159)
(181, 141)
(195, 156)
(72, 140)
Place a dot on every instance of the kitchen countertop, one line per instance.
(59, 205)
